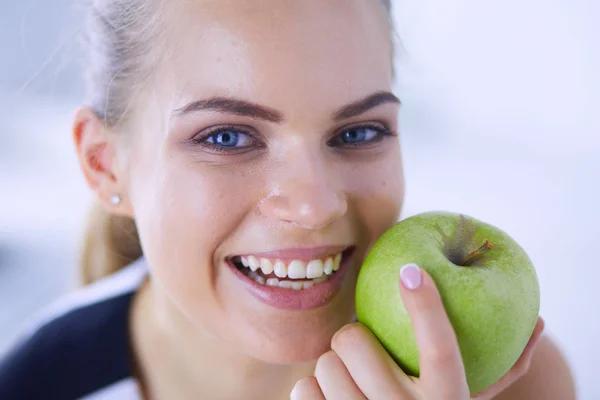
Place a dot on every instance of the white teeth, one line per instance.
(257, 277)
(253, 263)
(266, 266)
(296, 270)
(314, 269)
(317, 271)
(336, 261)
(285, 284)
(328, 266)
(280, 269)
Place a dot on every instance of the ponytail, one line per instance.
(111, 242)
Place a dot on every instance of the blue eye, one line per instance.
(229, 138)
(360, 136)
(357, 135)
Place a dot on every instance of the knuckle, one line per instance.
(443, 354)
(305, 388)
(522, 367)
(347, 337)
(326, 363)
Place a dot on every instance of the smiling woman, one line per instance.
(245, 158)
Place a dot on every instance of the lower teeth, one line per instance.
(286, 284)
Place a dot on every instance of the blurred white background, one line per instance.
(500, 120)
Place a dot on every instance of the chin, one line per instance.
(285, 326)
(293, 356)
(283, 351)
(301, 337)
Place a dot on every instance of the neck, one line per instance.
(179, 360)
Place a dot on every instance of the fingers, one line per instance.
(524, 361)
(307, 389)
(519, 369)
(442, 372)
(357, 368)
(368, 364)
(335, 380)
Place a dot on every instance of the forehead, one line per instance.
(277, 52)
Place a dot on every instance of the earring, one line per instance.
(115, 199)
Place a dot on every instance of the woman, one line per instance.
(254, 143)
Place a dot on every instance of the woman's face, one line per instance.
(267, 142)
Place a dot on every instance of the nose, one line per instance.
(305, 192)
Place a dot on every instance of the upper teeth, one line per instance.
(295, 269)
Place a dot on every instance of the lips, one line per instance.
(293, 279)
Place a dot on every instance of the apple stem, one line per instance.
(478, 253)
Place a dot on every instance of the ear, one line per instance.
(96, 150)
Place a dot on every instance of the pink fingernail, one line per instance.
(410, 275)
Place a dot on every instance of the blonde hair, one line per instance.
(120, 39)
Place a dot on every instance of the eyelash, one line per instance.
(382, 133)
(202, 139)
(381, 130)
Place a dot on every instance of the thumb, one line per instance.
(440, 362)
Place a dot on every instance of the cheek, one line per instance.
(184, 210)
(377, 195)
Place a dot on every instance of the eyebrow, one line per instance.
(362, 106)
(253, 110)
(232, 106)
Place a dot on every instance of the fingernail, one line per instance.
(410, 275)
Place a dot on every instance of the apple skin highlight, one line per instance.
(486, 280)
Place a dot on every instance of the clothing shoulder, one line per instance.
(78, 345)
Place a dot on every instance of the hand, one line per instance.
(357, 367)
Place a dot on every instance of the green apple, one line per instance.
(487, 283)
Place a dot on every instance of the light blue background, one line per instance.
(500, 120)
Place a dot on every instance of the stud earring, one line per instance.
(115, 199)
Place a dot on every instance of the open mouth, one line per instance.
(291, 274)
